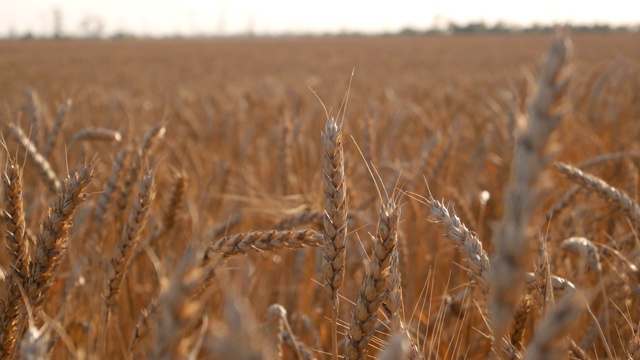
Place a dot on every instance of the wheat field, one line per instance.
(434, 197)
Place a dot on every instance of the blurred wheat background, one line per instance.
(472, 197)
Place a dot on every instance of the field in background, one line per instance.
(243, 130)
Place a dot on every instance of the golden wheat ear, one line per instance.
(374, 284)
(512, 235)
(18, 249)
(52, 241)
(335, 219)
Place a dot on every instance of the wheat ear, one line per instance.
(128, 241)
(335, 220)
(263, 241)
(467, 243)
(95, 134)
(142, 328)
(172, 208)
(285, 167)
(51, 242)
(306, 216)
(374, 284)
(579, 354)
(298, 347)
(600, 187)
(335, 201)
(43, 166)
(585, 249)
(34, 106)
(110, 188)
(52, 137)
(542, 271)
(520, 320)
(18, 249)
(396, 349)
(553, 326)
(510, 238)
(274, 330)
(561, 286)
(178, 309)
(123, 252)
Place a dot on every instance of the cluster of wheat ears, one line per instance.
(114, 272)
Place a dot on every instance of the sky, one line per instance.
(188, 17)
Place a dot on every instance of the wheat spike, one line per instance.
(374, 284)
(18, 249)
(51, 242)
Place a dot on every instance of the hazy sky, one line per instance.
(161, 17)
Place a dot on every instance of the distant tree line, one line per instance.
(480, 27)
(93, 27)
